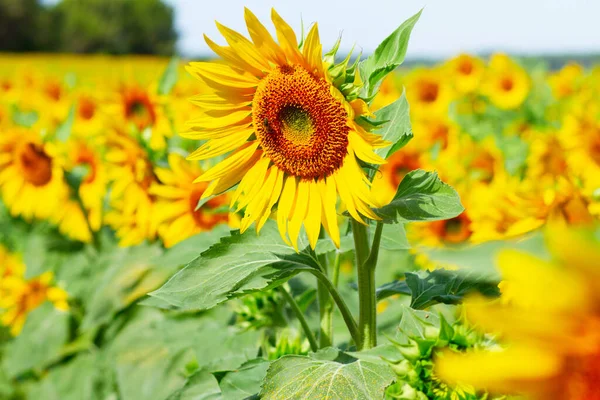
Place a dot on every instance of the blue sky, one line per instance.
(447, 27)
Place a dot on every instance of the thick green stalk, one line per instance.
(298, 312)
(366, 261)
(325, 315)
(343, 307)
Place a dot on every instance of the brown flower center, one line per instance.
(301, 126)
(35, 164)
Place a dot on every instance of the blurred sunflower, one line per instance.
(292, 133)
(547, 320)
(19, 296)
(506, 83)
(452, 231)
(29, 174)
(144, 110)
(465, 72)
(176, 210)
(131, 174)
(567, 81)
(429, 93)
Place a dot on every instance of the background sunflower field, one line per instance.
(98, 208)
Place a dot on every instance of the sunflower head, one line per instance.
(286, 117)
(506, 83)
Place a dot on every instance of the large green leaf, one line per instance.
(151, 354)
(200, 386)
(448, 287)
(40, 342)
(398, 129)
(415, 323)
(300, 377)
(421, 196)
(85, 377)
(169, 77)
(393, 237)
(245, 381)
(224, 348)
(391, 289)
(238, 264)
(388, 56)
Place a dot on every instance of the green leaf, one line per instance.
(393, 237)
(421, 196)
(63, 132)
(245, 381)
(169, 77)
(388, 56)
(200, 386)
(398, 129)
(299, 377)
(391, 289)
(151, 353)
(238, 264)
(224, 348)
(382, 354)
(448, 287)
(416, 323)
(85, 377)
(40, 342)
(24, 118)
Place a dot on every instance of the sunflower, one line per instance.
(548, 323)
(292, 134)
(131, 205)
(176, 210)
(19, 296)
(506, 83)
(567, 81)
(31, 181)
(143, 110)
(465, 73)
(451, 231)
(429, 93)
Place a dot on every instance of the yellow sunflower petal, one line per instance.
(299, 212)
(312, 222)
(263, 39)
(230, 164)
(287, 38)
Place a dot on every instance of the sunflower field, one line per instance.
(289, 222)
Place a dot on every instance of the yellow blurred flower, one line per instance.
(547, 321)
(31, 182)
(19, 296)
(506, 83)
(465, 72)
(176, 209)
(131, 174)
(567, 81)
(428, 92)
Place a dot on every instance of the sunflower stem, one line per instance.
(339, 301)
(366, 261)
(298, 312)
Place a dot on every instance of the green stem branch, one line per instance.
(366, 261)
(337, 298)
(300, 315)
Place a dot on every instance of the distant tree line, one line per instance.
(88, 26)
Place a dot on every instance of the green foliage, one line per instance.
(24, 118)
(388, 56)
(299, 377)
(420, 335)
(397, 130)
(63, 132)
(421, 196)
(238, 264)
(88, 26)
(393, 237)
(169, 77)
(448, 287)
(41, 342)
